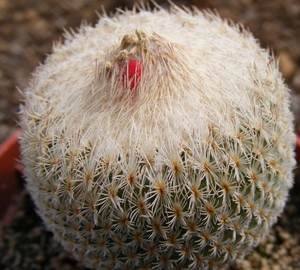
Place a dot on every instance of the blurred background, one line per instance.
(27, 31)
(29, 27)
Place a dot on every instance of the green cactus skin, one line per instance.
(187, 167)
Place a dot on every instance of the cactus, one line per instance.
(158, 139)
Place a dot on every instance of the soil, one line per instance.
(27, 31)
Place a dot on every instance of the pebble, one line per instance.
(296, 81)
(265, 265)
(284, 235)
(287, 65)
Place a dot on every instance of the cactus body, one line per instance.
(158, 139)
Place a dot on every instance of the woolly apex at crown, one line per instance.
(158, 139)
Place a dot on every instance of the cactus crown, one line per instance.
(158, 139)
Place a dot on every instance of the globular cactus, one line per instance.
(158, 140)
